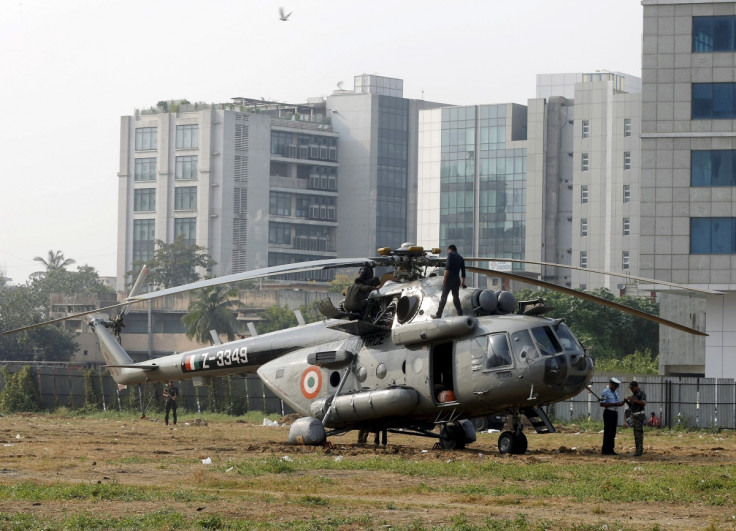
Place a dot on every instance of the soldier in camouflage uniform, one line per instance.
(637, 401)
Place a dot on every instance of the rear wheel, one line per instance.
(452, 436)
(480, 423)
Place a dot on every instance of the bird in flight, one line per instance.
(283, 16)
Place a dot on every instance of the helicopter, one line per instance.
(392, 366)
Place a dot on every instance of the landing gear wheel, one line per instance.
(452, 437)
(480, 423)
(512, 443)
(520, 444)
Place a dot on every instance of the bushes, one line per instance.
(20, 392)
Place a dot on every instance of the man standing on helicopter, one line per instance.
(453, 280)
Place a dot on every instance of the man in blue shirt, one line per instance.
(610, 400)
(453, 280)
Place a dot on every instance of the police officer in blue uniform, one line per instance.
(610, 400)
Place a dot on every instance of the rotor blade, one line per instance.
(139, 282)
(587, 297)
(300, 267)
(599, 271)
(60, 319)
(136, 288)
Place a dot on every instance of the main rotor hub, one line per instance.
(410, 261)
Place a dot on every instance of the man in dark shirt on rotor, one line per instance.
(453, 280)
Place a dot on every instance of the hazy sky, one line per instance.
(69, 69)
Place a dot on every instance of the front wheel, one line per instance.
(511, 443)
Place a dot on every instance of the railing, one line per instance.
(676, 401)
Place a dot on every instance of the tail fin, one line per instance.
(122, 368)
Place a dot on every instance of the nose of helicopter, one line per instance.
(568, 372)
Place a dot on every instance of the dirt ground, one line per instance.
(52, 451)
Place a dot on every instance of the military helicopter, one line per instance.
(391, 366)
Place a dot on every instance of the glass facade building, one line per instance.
(482, 200)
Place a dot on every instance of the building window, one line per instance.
(145, 138)
(280, 204)
(586, 129)
(713, 168)
(187, 228)
(187, 136)
(279, 233)
(627, 160)
(627, 126)
(144, 200)
(584, 162)
(185, 198)
(584, 259)
(625, 265)
(583, 194)
(143, 239)
(714, 34)
(627, 193)
(712, 235)
(583, 227)
(713, 101)
(145, 169)
(186, 167)
(627, 226)
(302, 206)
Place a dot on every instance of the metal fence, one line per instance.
(676, 401)
(64, 385)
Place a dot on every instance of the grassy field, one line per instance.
(118, 472)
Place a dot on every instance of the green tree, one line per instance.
(607, 332)
(30, 304)
(174, 264)
(54, 260)
(340, 282)
(276, 318)
(213, 309)
(637, 363)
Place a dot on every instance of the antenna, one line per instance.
(340, 85)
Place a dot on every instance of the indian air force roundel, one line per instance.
(311, 382)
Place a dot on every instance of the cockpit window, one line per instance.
(567, 340)
(523, 345)
(498, 353)
(546, 340)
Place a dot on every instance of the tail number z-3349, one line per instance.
(209, 361)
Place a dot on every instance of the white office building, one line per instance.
(688, 176)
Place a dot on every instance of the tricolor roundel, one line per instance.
(311, 382)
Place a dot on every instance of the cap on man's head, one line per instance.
(615, 381)
(634, 383)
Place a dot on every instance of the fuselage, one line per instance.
(424, 370)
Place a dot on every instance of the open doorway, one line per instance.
(442, 380)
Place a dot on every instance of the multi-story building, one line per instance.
(550, 182)
(605, 180)
(688, 175)
(257, 183)
(378, 140)
(472, 180)
(250, 182)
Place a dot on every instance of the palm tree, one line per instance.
(212, 310)
(55, 260)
